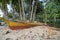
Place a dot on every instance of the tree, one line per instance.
(34, 10)
(30, 11)
(52, 9)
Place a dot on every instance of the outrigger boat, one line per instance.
(17, 25)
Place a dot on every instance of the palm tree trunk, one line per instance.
(13, 13)
(32, 11)
(29, 10)
(20, 10)
(23, 12)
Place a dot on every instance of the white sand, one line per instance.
(35, 33)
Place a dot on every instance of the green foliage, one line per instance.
(45, 17)
(0, 0)
(57, 23)
(53, 8)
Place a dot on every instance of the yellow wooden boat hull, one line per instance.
(16, 25)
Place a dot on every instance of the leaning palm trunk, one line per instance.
(32, 11)
(23, 12)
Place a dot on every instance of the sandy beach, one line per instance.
(35, 33)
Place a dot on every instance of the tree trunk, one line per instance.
(31, 16)
(29, 10)
(34, 12)
(23, 12)
(20, 10)
(13, 13)
(45, 18)
(54, 20)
